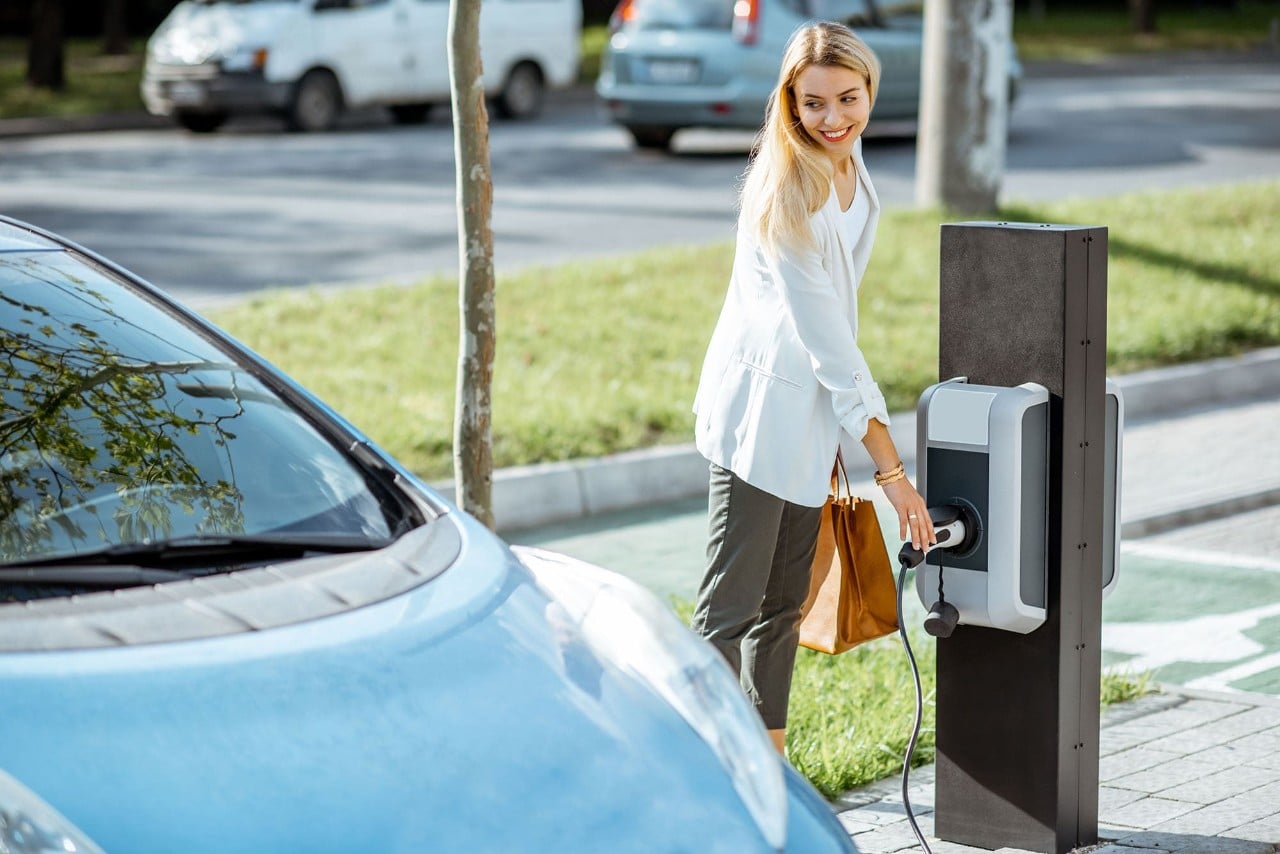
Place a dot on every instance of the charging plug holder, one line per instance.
(942, 619)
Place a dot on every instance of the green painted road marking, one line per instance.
(1195, 624)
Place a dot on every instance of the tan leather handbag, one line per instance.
(852, 596)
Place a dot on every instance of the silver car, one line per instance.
(674, 64)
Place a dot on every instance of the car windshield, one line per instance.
(123, 424)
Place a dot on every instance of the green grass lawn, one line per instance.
(850, 714)
(603, 356)
(95, 83)
(1084, 34)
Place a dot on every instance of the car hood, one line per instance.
(453, 716)
(195, 33)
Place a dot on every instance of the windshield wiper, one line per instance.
(218, 548)
(110, 577)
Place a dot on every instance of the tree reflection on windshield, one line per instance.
(95, 445)
(123, 423)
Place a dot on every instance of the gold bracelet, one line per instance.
(893, 475)
(899, 467)
(892, 479)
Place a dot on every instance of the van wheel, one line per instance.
(200, 122)
(522, 97)
(317, 102)
(657, 137)
(410, 114)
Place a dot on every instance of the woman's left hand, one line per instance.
(913, 514)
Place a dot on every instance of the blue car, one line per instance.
(230, 623)
(675, 64)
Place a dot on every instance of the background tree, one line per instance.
(1142, 14)
(472, 418)
(115, 27)
(964, 104)
(46, 60)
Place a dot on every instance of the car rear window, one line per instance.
(680, 14)
(855, 13)
(718, 14)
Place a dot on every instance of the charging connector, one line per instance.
(955, 527)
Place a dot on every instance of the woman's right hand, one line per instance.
(913, 514)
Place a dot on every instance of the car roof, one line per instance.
(15, 238)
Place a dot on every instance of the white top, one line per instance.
(854, 220)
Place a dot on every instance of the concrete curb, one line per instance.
(1192, 514)
(1263, 55)
(1161, 391)
(142, 120)
(543, 494)
(50, 125)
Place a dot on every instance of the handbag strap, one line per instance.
(837, 474)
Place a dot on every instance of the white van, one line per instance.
(308, 60)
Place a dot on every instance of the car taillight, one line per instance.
(746, 21)
(622, 15)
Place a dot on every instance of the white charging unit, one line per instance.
(986, 448)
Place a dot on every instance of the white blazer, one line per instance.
(783, 383)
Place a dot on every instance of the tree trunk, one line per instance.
(115, 32)
(472, 433)
(46, 63)
(964, 104)
(1142, 14)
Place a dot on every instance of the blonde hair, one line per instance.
(789, 179)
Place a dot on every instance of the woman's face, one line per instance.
(833, 107)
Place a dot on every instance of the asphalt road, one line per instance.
(252, 207)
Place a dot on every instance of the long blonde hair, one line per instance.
(789, 179)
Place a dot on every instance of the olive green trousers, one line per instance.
(759, 551)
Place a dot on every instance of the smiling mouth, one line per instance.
(835, 135)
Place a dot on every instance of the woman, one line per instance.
(784, 386)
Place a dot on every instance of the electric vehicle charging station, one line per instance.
(983, 450)
(1020, 466)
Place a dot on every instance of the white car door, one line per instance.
(368, 43)
(546, 31)
(429, 30)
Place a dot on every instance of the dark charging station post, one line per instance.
(1017, 714)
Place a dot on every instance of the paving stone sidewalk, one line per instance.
(1181, 771)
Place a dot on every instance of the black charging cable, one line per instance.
(915, 726)
(955, 528)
